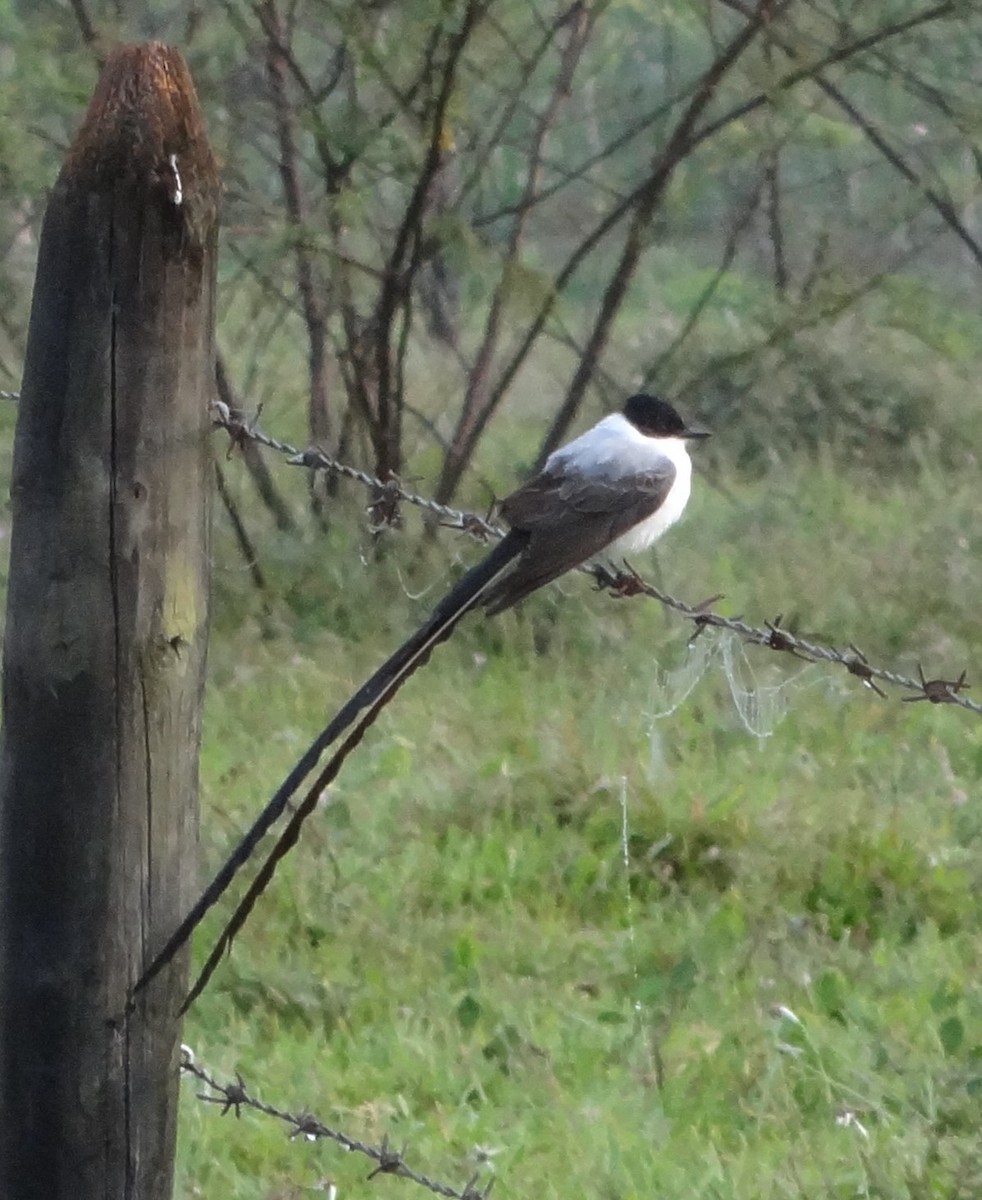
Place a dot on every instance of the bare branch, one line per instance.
(941, 204)
(405, 255)
(254, 461)
(478, 405)
(242, 539)
(839, 54)
(649, 195)
(310, 287)
(704, 133)
(514, 99)
(84, 22)
(743, 218)
(811, 312)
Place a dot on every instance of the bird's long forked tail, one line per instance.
(376, 692)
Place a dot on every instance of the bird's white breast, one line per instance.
(650, 530)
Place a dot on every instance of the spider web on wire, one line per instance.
(762, 695)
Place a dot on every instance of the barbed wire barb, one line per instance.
(235, 1096)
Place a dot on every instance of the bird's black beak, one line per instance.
(697, 433)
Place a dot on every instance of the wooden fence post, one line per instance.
(103, 663)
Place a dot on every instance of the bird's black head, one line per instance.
(657, 418)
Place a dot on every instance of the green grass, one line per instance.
(457, 954)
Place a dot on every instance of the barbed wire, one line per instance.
(774, 637)
(628, 582)
(235, 1096)
(316, 459)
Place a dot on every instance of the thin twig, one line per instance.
(242, 539)
(941, 204)
(313, 294)
(476, 410)
(84, 21)
(404, 260)
(704, 133)
(743, 218)
(256, 464)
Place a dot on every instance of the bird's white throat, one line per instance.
(671, 508)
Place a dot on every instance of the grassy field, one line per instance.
(728, 951)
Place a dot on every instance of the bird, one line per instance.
(613, 490)
(616, 489)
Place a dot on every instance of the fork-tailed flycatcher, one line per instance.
(615, 488)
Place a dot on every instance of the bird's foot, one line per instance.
(620, 581)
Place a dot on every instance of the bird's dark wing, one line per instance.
(569, 518)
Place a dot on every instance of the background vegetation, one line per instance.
(558, 919)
